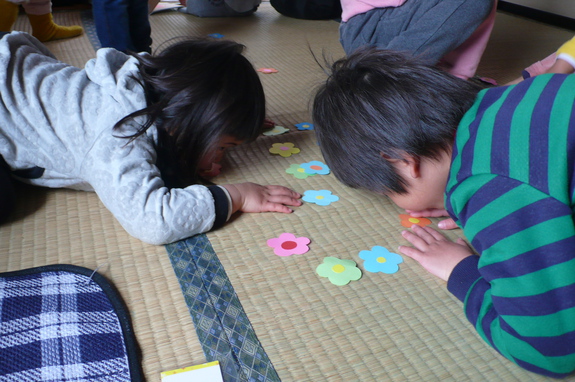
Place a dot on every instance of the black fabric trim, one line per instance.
(132, 348)
(538, 15)
(221, 205)
(29, 173)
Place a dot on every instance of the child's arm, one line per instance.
(562, 61)
(519, 293)
(130, 186)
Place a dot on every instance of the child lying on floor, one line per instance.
(138, 130)
(561, 61)
(500, 160)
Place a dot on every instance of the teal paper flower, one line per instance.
(321, 197)
(304, 126)
(339, 272)
(298, 171)
(379, 259)
(316, 167)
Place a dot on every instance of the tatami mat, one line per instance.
(399, 327)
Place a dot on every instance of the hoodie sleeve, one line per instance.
(129, 184)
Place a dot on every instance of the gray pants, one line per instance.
(427, 28)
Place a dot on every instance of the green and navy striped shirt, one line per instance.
(512, 190)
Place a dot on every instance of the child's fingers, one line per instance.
(429, 235)
(277, 207)
(410, 252)
(447, 224)
(436, 235)
(432, 213)
(285, 200)
(414, 239)
(281, 190)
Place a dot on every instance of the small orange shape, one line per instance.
(408, 221)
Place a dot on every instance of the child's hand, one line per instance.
(435, 213)
(251, 197)
(434, 251)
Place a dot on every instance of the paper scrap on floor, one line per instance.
(206, 372)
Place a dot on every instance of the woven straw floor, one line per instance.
(399, 327)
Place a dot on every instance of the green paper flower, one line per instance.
(298, 171)
(338, 271)
(277, 130)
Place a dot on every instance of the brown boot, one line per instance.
(44, 28)
(8, 15)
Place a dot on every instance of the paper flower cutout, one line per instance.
(297, 171)
(304, 126)
(379, 259)
(339, 272)
(277, 130)
(408, 220)
(288, 244)
(216, 35)
(267, 70)
(321, 197)
(315, 167)
(284, 149)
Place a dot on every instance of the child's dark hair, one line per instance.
(197, 90)
(377, 105)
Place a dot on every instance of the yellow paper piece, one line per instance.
(200, 373)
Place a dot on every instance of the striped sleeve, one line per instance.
(511, 191)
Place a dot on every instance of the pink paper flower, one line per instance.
(288, 244)
(267, 70)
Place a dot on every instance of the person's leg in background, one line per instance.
(39, 13)
(122, 24)
(140, 30)
(427, 28)
(464, 60)
(8, 15)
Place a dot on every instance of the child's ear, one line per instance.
(406, 164)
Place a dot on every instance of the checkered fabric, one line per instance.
(57, 325)
(223, 327)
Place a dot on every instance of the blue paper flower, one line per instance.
(315, 167)
(304, 126)
(321, 197)
(379, 259)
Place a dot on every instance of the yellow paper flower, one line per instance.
(284, 149)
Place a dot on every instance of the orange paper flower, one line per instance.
(408, 220)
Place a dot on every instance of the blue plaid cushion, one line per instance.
(60, 325)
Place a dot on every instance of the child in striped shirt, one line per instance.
(501, 161)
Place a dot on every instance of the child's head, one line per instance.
(377, 107)
(201, 93)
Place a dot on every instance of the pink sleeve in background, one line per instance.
(463, 60)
